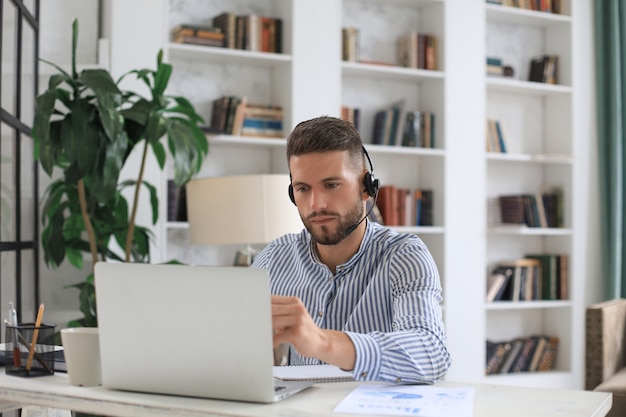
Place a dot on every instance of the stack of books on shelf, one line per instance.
(234, 116)
(251, 32)
(550, 6)
(352, 115)
(403, 207)
(176, 202)
(350, 44)
(532, 278)
(544, 69)
(417, 50)
(393, 126)
(543, 209)
(198, 35)
(228, 30)
(495, 137)
(524, 354)
(496, 67)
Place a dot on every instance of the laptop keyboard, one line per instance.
(279, 388)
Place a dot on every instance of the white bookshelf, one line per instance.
(539, 124)
(309, 79)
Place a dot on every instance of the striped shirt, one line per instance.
(386, 298)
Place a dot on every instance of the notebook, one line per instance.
(188, 330)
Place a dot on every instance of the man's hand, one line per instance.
(293, 324)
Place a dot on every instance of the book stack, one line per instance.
(393, 126)
(251, 32)
(350, 44)
(417, 50)
(544, 69)
(176, 202)
(198, 35)
(524, 354)
(262, 121)
(495, 137)
(403, 207)
(234, 116)
(534, 277)
(419, 129)
(542, 209)
(495, 67)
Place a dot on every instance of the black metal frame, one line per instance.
(22, 132)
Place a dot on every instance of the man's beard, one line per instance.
(325, 236)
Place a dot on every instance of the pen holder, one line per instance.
(22, 357)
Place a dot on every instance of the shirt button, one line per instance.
(320, 314)
(398, 380)
(363, 374)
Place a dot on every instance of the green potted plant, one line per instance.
(85, 127)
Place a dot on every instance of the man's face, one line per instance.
(328, 191)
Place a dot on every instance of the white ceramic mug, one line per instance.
(81, 347)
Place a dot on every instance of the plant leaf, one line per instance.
(159, 153)
(161, 78)
(74, 43)
(44, 148)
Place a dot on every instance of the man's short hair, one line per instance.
(326, 134)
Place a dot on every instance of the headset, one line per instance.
(371, 183)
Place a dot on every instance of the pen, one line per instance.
(33, 343)
(17, 354)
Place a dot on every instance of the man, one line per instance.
(350, 292)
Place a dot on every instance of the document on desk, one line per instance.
(317, 373)
(409, 400)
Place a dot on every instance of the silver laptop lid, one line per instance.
(185, 330)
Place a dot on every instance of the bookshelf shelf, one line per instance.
(526, 17)
(550, 378)
(404, 150)
(403, 3)
(391, 72)
(528, 231)
(513, 86)
(420, 230)
(228, 140)
(538, 159)
(527, 305)
(177, 225)
(180, 51)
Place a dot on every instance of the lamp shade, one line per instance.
(242, 209)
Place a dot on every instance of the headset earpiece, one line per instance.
(370, 182)
(290, 191)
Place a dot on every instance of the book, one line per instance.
(496, 283)
(516, 347)
(548, 356)
(227, 23)
(496, 354)
(542, 341)
(317, 373)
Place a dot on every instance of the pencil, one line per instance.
(31, 351)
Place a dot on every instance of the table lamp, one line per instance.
(241, 209)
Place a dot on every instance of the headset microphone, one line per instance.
(354, 226)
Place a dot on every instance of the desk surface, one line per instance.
(319, 400)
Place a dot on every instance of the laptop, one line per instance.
(189, 331)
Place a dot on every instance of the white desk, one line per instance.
(317, 401)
